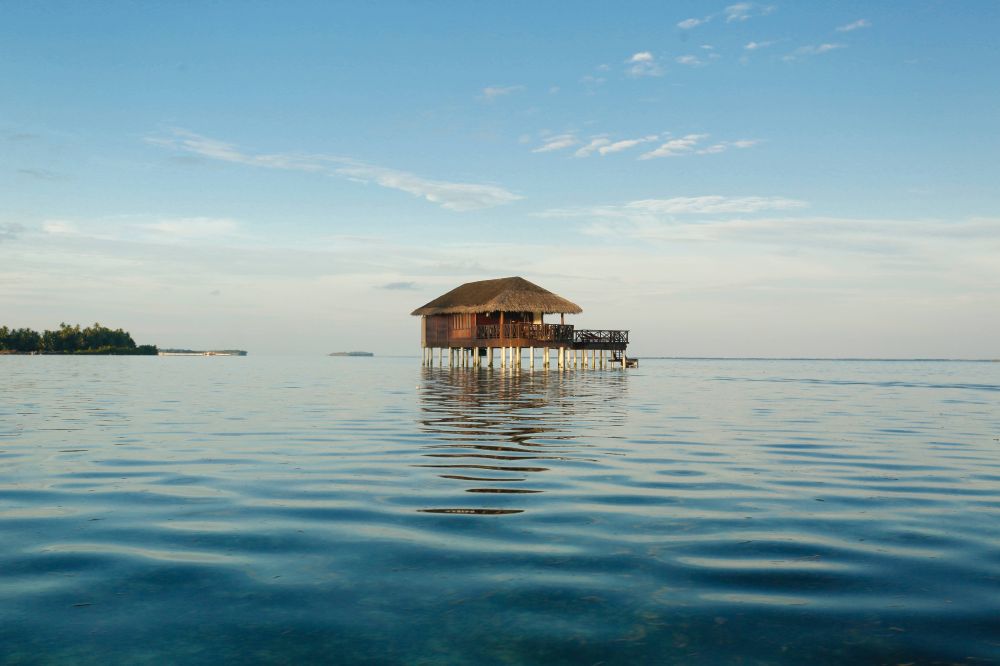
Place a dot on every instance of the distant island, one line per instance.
(208, 352)
(93, 340)
(353, 353)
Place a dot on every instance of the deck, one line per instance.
(521, 334)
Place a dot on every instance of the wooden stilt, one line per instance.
(489, 356)
(531, 355)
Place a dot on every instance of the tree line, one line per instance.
(68, 339)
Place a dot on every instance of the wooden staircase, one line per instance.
(620, 357)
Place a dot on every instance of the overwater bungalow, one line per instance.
(508, 314)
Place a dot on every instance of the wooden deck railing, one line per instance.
(600, 337)
(526, 331)
(554, 333)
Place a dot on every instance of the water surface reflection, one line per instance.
(497, 431)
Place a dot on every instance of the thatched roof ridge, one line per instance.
(510, 294)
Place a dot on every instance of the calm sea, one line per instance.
(368, 510)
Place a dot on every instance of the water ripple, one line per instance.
(701, 512)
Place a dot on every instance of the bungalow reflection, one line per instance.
(508, 435)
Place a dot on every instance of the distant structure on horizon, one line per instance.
(508, 314)
(196, 352)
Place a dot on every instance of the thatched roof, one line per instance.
(511, 294)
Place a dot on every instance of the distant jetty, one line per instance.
(196, 352)
(353, 353)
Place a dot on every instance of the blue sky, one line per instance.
(722, 179)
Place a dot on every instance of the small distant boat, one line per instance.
(353, 353)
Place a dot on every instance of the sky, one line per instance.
(751, 179)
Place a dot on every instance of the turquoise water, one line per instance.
(291, 510)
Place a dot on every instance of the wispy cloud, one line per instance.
(713, 204)
(595, 143)
(41, 174)
(602, 145)
(490, 93)
(856, 25)
(643, 64)
(744, 11)
(906, 242)
(688, 24)
(812, 50)
(449, 195)
(10, 231)
(689, 60)
(192, 228)
(59, 228)
(723, 146)
(679, 146)
(736, 13)
(399, 286)
(625, 144)
(678, 206)
(699, 219)
(558, 142)
(452, 196)
(756, 46)
(592, 83)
